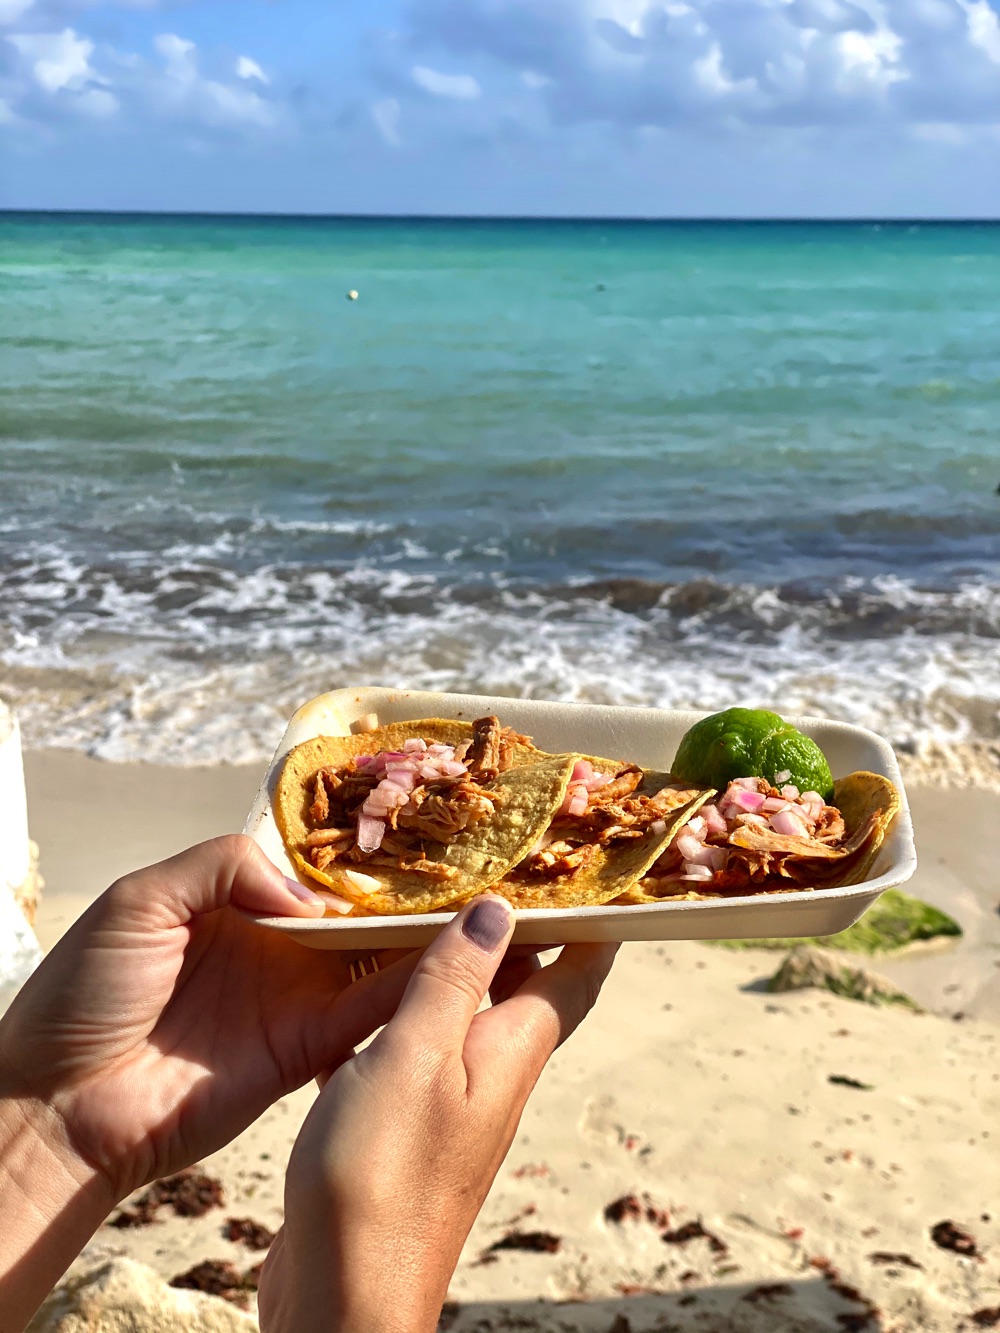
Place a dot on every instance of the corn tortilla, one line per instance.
(868, 803)
(617, 864)
(534, 788)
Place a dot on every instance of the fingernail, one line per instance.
(486, 924)
(300, 891)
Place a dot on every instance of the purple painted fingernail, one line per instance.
(300, 891)
(486, 924)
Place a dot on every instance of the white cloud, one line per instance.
(711, 73)
(462, 87)
(249, 69)
(386, 114)
(984, 27)
(57, 59)
(180, 55)
(872, 55)
(97, 102)
(64, 75)
(184, 91)
(727, 63)
(12, 11)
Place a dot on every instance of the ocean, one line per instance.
(688, 464)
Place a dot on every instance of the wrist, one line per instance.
(316, 1281)
(54, 1201)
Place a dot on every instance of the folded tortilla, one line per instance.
(533, 789)
(617, 864)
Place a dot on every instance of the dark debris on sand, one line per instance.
(891, 1260)
(630, 1208)
(987, 1318)
(767, 1291)
(695, 1231)
(190, 1193)
(538, 1242)
(245, 1231)
(853, 1321)
(218, 1277)
(949, 1236)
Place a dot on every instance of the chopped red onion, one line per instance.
(789, 823)
(585, 773)
(689, 847)
(578, 802)
(370, 833)
(748, 800)
(364, 884)
(700, 874)
(714, 821)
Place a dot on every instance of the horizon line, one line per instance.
(604, 219)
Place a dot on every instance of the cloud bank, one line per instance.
(490, 100)
(723, 64)
(53, 76)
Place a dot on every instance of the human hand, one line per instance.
(164, 1022)
(399, 1150)
(160, 1026)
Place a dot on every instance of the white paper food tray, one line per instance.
(647, 736)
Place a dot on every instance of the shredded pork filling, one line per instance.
(754, 832)
(396, 807)
(599, 808)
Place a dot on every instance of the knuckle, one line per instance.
(236, 847)
(455, 973)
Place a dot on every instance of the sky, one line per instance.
(653, 108)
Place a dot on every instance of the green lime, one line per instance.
(751, 743)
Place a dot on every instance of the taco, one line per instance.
(613, 823)
(415, 816)
(758, 838)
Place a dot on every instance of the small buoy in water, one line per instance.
(352, 295)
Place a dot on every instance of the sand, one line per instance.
(689, 1084)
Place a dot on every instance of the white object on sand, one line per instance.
(15, 852)
(19, 951)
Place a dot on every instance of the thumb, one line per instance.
(452, 977)
(231, 870)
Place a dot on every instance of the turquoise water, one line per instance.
(671, 463)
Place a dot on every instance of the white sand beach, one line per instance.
(690, 1087)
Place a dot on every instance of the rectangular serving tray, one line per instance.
(649, 737)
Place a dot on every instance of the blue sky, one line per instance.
(611, 107)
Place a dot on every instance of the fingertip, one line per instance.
(488, 922)
(303, 901)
